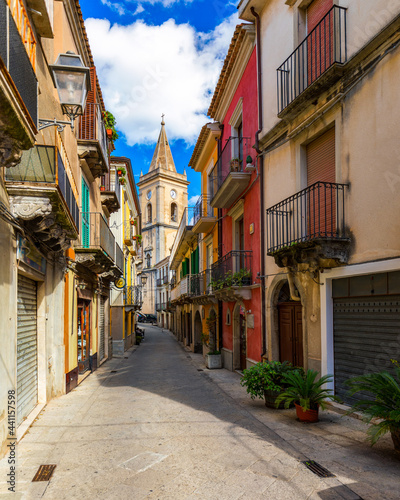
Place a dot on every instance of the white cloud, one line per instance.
(115, 6)
(147, 70)
(193, 200)
(139, 9)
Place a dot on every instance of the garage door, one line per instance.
(366, 337)
(27, 378)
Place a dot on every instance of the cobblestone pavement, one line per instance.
(157, 424)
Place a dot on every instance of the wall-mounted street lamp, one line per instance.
(143, 279)
(72, 80)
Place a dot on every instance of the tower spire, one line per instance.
(162, 157)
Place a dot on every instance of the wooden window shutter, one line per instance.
(87, 125)
(321, 200)
(321, 159)
(316, 11)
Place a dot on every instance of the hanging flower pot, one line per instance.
(102, 188)
(109, 133)
(122, 181)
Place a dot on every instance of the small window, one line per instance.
(174, 212)
(149, 213)
(148, 260)
(228, 317)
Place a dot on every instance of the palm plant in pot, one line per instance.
(307, 392)
(384, 403)
(266, 380)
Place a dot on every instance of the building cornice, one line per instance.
(164, 174)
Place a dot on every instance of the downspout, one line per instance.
(293, 295)
(261, 170)
(219, 213)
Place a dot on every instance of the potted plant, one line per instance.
(384, 404)
(214, 356)
(109, 123)
(121, 171)
(266, 380)
(102, 188)
(236, 164)
(307, 393)
(122, 181)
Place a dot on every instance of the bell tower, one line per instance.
(163, 198)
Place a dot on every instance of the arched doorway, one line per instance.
(290, 318)
(239, 338)
(198, 330)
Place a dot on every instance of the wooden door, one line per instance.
(83, 335)
(291, 333)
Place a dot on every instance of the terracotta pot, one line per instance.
(102, 188)
(109, 133)
(306, 416)
(396, 438)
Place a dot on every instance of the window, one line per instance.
(148, 260)
(174, 212)
(149, 213)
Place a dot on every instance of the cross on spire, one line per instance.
(162, 119)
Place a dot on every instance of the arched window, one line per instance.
(148, 260)
(174, 212)
(149, 213)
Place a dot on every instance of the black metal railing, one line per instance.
(202, 209)
(133, 296)
(91, 127)
(119, 258)
(44, 165)
(232, 159)
(95, 233)
(110, 184)
(200, 284)
(233, 269)
(325, 45)
(316, 212)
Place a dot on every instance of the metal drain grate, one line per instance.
(113, 371)
(317, 469)
(44, 473)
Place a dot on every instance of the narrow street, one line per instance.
(156, 424)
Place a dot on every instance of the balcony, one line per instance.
(203, 219)
(229, 178)
(159, 282)
(128, 233)
(232, 276)
(181, 293)
(18, 83)
(110, 192)
(97, 249)
(133, 297)
(42, 196)
(165, 280)
(92, 140)
(315, 65)
(310, 227)
(183, 238)
(201, 289)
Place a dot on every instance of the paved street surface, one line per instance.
(164, 427)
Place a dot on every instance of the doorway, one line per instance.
(198, 330)
(290, 315)
(84, 335)
(239, 338)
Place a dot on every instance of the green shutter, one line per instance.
(85, 230)
(197, 260)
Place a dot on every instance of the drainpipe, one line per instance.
(261, 170)
(219, 213)
(293, 295)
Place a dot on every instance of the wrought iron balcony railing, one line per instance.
(96, 234)
(232, 159)
(200, 284)
(18, 52)
(202, 209)
(325, 46)
(44, 165)
(233, 269)
(109, 185)
(316, 212)
(161, 306)
(133, 296)
(91, 127)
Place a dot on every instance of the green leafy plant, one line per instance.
(138, 339)
(121, 171)
(230, 279)
(385, 403)
(306, 390)
(209, 337)
(109, 123)
(265, 376)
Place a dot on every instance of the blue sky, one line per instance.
(154, 57)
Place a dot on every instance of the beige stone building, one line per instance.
(163, 198)
(329, 143)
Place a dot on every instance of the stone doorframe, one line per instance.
(272, 340)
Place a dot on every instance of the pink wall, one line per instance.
(247, 90)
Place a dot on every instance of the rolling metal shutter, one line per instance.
(366, 337)
(321, 159)
(101, 329)
(27, 377)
